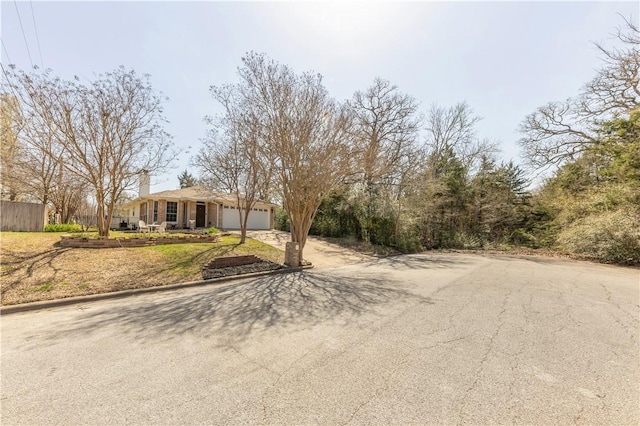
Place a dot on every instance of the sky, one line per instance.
(504, 59)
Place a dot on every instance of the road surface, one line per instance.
(421, 339)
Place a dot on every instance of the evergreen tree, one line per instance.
(187, 180)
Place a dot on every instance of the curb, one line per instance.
(46, 304)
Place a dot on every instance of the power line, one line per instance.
(23, 34)
(37, 38)
(6, 52)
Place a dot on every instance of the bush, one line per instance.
(63, 227)
(281, 222)
(465, 240)
(609, 237)
(213, 230)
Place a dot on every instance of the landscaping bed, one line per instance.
(237, 265)
(229, 271)
(88, 242)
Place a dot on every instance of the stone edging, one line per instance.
(45, 304)
(86, 242)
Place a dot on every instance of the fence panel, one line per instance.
(15, 216)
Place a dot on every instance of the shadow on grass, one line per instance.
(202, 257)
(236, 312)
(14, 263)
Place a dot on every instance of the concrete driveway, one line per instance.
(424, 339)
(320, 253)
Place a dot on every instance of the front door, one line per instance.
(200, 210)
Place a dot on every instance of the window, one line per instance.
(155, 211)
(172, 211)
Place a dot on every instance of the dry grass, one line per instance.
(34, 267)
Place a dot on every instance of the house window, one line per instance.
(155, 211)
(172, 211)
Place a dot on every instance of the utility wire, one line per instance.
(6, 52)
(33, 16)
(23, 34)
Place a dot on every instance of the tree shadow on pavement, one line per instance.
(236, 312)
(424, 261)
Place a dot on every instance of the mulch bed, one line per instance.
(228, 271)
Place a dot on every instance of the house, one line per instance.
(179, 207)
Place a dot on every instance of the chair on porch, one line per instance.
(143, 226)
(163, 227)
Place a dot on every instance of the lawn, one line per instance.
(34, 267)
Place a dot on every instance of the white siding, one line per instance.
(258, 218)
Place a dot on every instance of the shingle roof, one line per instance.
(196, 193)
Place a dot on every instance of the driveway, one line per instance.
(421, 339)
(320, 253)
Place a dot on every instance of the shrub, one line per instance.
(63, 227)
(609, 236)
(213, 230)
(465, 240)
(281, 220)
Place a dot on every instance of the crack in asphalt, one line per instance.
(386, 382)
(273, 385)
(378, 391)
(516, 364)
(253, 361)
(450, 324)
(485, 357)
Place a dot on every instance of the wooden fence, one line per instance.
(16, 216)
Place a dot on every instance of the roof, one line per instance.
(195, 193)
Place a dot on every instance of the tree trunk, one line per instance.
(243, 225)
(102, 232)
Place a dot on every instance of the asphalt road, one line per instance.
(428, 339)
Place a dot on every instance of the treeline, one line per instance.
(454, 195)
(428, 182)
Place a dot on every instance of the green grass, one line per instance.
(44, 287)
(188, 259)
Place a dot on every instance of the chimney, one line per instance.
(145, 184)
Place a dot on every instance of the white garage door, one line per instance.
(258, 219)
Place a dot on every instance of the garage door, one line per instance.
(258, 218)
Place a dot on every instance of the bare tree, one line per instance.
(386, 127)
(104, 132)
(453, 130)
(10, 172)
(385, 131)
(560, 131)
(29, 172)
(230, 159)
(303, 132)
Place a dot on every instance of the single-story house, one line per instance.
(180, 207)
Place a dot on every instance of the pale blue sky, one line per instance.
(503, 58)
